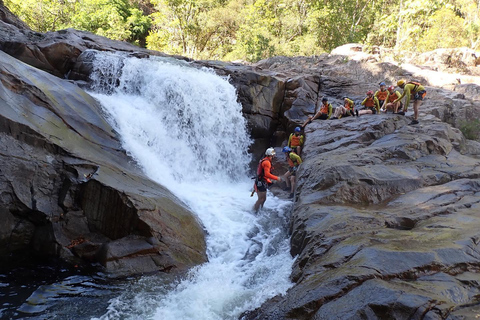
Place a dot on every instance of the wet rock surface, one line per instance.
(385, 224)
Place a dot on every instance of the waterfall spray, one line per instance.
(185, 128)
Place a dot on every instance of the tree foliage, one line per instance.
(256, 29)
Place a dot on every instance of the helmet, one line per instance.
(286, 149)
(270, 152)
(400, 83)
(382, 83)
(324, 99)
(297, 129)
(369, 92)
(391, 88)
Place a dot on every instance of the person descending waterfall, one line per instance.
(263, 179)
(295, 141)
(294, 161)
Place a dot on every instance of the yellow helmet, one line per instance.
(400, 83)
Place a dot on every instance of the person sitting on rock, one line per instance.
(323, 114)
(390, 105)
(381, 94)
(295, 141)
(263, 178)
(371, 104)
(294, 161)
(417, 91)
(344, 111)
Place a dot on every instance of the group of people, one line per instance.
(382, 100)
(264, 175)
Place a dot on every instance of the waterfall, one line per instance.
(185, 129)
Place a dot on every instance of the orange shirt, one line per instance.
(267, 166)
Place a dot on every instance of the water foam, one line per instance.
(185, 128)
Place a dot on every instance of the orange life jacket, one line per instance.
(261, 171)
(324, 108)
(392, 97)
(382, 95)
(295, 140)
(348, 105)
(370, 102)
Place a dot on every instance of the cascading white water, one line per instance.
(185, 128)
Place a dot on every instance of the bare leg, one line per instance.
(416, 104)
(286, 178)
(298, 149)
(360, 112)
(262, 197)
(292, 183)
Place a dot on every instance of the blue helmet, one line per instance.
(287, 149)
(382, 83)
(297, 129)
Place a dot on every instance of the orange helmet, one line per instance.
(369, 92)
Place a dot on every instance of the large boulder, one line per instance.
(69, 189)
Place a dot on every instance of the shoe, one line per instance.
(356, 113)
(401, 113)
(291, 195)
(413, 122)
(333, 118)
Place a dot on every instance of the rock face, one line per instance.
(68, 189)
(385, 224)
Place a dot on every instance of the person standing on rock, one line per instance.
(381, 94)
(417, 91)
(372, 106)
(323, 114)
(393, 95)
(295, 141)
(344, 111)
(263, 178)
(294, 161)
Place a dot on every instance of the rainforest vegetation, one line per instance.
(251, 30)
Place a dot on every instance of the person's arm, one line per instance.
(295, 157)
(386, 101)
(403, 94)
(329, 110)
(290, 140)
(364, 101)
(301, 140)
(377, 104)
(266, 171)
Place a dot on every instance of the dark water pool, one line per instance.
(51, 289)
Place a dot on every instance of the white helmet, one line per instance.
(270, 152)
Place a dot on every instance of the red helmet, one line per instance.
(369, 92)
(391, 88)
